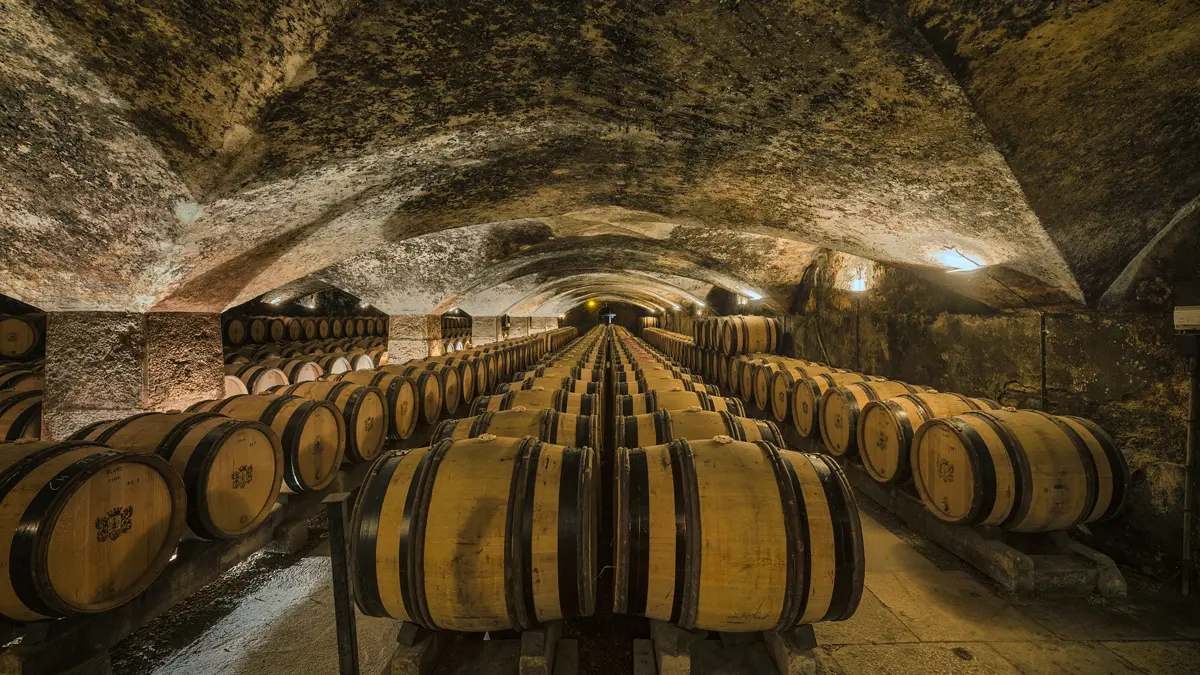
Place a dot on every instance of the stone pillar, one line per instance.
(518, 326)
(484, 330)
(109, 365)
(414, 336)
(541, 324)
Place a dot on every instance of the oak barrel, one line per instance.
(87, 528)
(401, 394)
(1020, 470)
(235, 331)
(567, 383)
(364, 411)
(551, 426)
(20, 336)
(642, 387)
(641, 404)
(664, 426)
(232, 469)
(20, 415)
(808, 394)
(258, 379)
(734, 536)
(841, 406)
(886, 428)
(555, 399)
(783, 383)
(428, 384)
(483, 534)
(296, 370)
(311, 433)
(22, 379)
(750, 334)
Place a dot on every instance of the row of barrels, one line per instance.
(970, 460)
(101, 513)
(649, 322)
(733, 334)
(532, 471)
(376, 346)
(21, 384)
(456, 326)
(21, 336)
(802, 562)
(261, 329)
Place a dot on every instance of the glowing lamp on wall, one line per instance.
(858, 285)
(956, 261)
(364, 303)
(591, 304)
(754, 295)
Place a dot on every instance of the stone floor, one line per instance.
(922, 612)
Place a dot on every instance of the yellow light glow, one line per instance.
(591, 304)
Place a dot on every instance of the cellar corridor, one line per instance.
(615, 337)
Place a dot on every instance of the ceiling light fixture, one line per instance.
(276, 301)
(858, 285)
(956, 261)
(364, 303)
(754, 295)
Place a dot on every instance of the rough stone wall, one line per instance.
(1117, 368)
(414, 336)
(109, 365)
(541, 324)
(519, 326)
(484, 330)
(183, 360)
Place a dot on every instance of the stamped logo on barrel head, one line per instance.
(118, 521)
(881, 442)
(242, 476)
(945, 471)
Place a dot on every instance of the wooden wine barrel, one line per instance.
(232, 359)
(20, 415)
(741, 374)
(401, 394)
(234, 386)
(750, 334)
(783, 383)
(483, 534)
(664, 426)
(256, 329)
(330, 363)
(348, 328)
(886, 428)
(567, 383)
(555, 399)
(294, 329)
(551, 426)
(276, 329)
(337, 328)
(258, 380)
(642, 404)
(807, 396)
(296, 370)
(451, 391)
(22, 379)
(360, 360)
(642, 387)
(311, 433)
(364, 411)
(575, 373)
(429, 385)
(735, 536)
(764, 373)
(1020, 470)
(841, 407)
(360, 327)
(232, 469)
(323, 329)
(87, 529)
(235, 332)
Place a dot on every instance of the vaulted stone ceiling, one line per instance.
(474, 153)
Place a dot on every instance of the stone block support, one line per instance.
(484, 330)
(518, 327)
(414, 336)
(108, 365)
